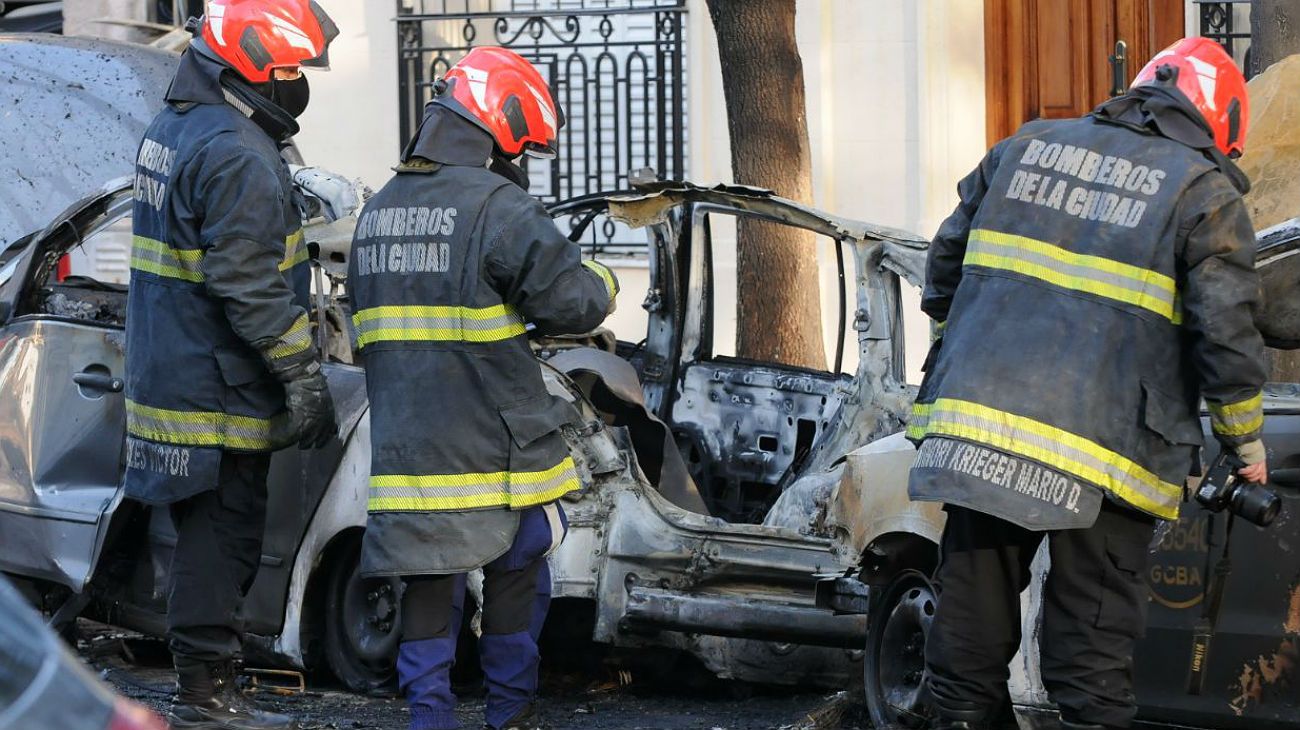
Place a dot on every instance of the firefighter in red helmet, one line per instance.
(1119, 246)
(220, 365)
(452, 264)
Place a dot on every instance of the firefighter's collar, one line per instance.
(273, 120)
(197, 80)
(446, 138)
(201, 79)
(1154, 109)
(417, 165)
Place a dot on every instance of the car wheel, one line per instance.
(362, 624)
(895, 656)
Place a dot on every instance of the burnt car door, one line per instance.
(746, 427)
(743, 426)
(62, 410)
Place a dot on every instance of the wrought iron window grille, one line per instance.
(1219, 20)
(617, 67)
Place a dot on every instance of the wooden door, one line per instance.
(1050, 59)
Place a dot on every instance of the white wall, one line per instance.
(351, 125)
(81, 17)
(895, 93)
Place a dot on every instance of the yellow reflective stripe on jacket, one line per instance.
(158, 258)
(1056, 448)
(295, 340)
(605, 275)
(421, 323)
(295, 250)
(200, 428)
(449, 492)
(917, 423)
(1095, 275)
(1238, 419)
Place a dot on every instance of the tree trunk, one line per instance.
(1274, 32)
(779, 302)
(1274, 35)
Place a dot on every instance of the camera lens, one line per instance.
(1258, 504)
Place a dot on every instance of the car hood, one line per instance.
(74, 112)
(1278, 260)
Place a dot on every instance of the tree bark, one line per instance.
(1274, 32)
(777, 287)
(1274, 35)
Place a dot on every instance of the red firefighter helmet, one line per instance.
(503, 94)
(255, 36)
(1208, 77)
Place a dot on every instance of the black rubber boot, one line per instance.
(964, 716)
(1067, 725)
(207, 699)
(529, 718)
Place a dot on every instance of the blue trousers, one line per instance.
(516, 596)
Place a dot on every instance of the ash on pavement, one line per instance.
(138, 668)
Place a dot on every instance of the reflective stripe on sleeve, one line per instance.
(1054, 447)
(158, 258)
(1095, 275)
(202, 428)
(1238, 419)
(917, 423)
(295, 340)
(605, 275)
(449, 492)
(419, 323)
(295, 250)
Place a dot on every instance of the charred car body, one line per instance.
(749, 514)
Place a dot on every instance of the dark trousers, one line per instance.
(218, 550)
(1094, 608)
(429, 603)
(516, 596)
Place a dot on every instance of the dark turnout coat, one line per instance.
(218, 275)
(1095, 282)
(451, 265)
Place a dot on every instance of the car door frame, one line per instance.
(42, 558)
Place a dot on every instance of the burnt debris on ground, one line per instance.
(138, 667)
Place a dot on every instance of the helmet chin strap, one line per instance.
(509, 168)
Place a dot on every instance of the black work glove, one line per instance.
(311, 409)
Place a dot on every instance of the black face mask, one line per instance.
(291, 96)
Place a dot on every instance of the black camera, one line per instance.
(1223, 489)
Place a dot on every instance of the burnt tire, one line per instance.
(894, 663)
(362, 624)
